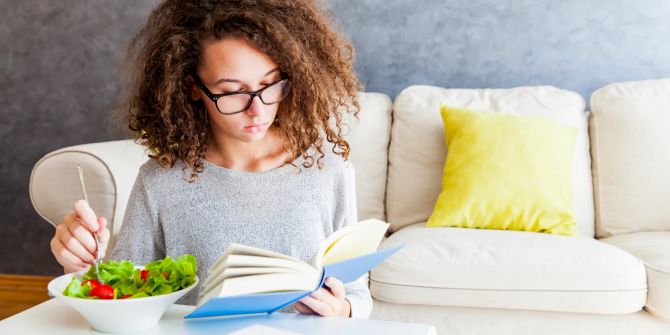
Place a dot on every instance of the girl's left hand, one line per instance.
(326, 301)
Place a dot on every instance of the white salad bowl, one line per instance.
(119, 315)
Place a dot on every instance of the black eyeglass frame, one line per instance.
(252, 95)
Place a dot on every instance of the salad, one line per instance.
(122, 281)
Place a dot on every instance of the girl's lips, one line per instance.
(254, 128)
(255, 125)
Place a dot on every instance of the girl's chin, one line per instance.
(253, 137)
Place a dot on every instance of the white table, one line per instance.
(54, 317)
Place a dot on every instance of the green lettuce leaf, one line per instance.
(77, 290)
(165, 276)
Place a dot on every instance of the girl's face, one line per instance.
(233, 65)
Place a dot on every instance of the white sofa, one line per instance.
(612, 279)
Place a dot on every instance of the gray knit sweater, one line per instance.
(289, 210)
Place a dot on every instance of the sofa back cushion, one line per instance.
(369, 138)
(417, 151)
(630, 139)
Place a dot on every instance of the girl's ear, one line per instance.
(193, 90)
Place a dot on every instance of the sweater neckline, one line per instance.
(278, 170)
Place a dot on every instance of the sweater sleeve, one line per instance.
(357, 292)
(140, 239)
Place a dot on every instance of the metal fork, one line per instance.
(97, 239)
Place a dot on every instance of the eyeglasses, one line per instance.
(237, 102)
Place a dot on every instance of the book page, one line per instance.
(233, 260)
(240, 249)
(241, 272)
(358, 239)
(264, 283)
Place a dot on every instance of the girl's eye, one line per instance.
(240, 90)
(232, 90)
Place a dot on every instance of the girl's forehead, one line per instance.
(234, 58)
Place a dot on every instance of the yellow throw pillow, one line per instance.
(506, 172)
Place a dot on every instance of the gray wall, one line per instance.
(573, 44)
(58, 83)
(59, 60)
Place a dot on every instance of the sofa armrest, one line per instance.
(110, 169)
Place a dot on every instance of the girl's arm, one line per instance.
(357, 292)
(140, 239)
(352, 299)
(358, 295)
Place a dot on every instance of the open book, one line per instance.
(247, 280)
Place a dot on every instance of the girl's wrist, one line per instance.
(346, 309)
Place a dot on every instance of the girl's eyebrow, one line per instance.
(226, 80)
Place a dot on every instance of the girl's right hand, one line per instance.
(73, 245)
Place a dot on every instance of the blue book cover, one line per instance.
(346, 271)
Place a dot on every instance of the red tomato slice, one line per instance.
(144, 274)
(94, 283)
(103, 291)
(126, 296)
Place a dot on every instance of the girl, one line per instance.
(240, 104)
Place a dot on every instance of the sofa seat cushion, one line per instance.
(509, 269)
(653, 248)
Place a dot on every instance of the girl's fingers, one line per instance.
(333, 295)
(324, 295)
(103, 233)
(302, 309)
(67, 259)
(86, 214)
(327, 301)
(318, 306)
(73, 246)
(336, 287)
(81, 234)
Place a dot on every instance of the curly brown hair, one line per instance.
(297, 34)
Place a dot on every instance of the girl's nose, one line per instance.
(256, 107)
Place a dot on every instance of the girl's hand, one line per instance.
(326, 301)
(73, 244)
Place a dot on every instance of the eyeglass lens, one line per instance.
(238, 102)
